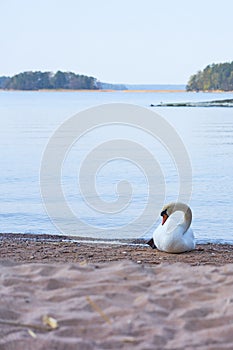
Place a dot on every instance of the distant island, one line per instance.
(70, 81)
(213, 77)
(47, 80)
(60, 80)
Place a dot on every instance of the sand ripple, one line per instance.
(120, 305)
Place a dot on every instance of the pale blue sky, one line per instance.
(121, 41)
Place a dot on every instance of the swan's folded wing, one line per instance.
(171, 226)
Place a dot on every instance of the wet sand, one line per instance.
(105, 296)
(52, 249)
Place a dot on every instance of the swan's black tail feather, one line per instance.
(151, 243)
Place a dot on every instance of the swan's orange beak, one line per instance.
(165, 216)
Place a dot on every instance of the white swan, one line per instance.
(173, 237)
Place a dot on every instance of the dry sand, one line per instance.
(113, 297)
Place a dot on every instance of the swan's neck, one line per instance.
(187, 215)
(187, 219)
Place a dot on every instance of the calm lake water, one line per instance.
(29, 119)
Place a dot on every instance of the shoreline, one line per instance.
(33, 248)
(96, 90)
(122, 91)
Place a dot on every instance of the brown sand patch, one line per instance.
(48, 248)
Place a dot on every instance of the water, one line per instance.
(28, 119)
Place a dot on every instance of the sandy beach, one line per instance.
(59, 294)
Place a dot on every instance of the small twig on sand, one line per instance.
(98, 309)
(26, 325)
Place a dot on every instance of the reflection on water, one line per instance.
(28, 120)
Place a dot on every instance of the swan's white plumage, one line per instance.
(173, 236)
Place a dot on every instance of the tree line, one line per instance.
(213, 77)
(48, 80)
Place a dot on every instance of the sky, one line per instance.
(116, 41)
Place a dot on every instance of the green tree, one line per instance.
(59, 80)
(213, 77)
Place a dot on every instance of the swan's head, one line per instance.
(170, 208)
(164, 215)
(167, 210)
